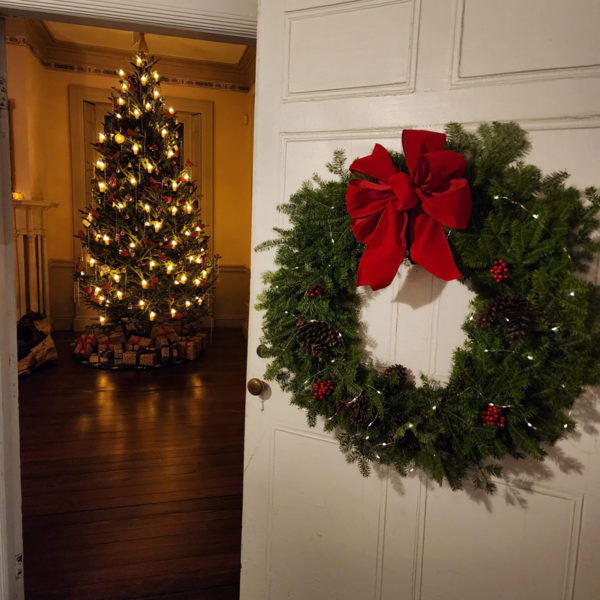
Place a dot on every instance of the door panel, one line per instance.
(346, 75)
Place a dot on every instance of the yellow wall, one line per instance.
(42, 156)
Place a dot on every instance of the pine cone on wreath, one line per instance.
(514, 310)
(401, 373)
(409, 440)
(398, 419)
(314, 336)
(357, 409)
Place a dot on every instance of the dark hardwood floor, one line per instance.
(132, 481)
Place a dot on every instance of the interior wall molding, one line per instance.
(67, 56)
(236, 25)
(404, 86)
(460, 81)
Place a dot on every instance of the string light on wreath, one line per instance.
(513, 328)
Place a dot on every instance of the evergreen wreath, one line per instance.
(532, 333)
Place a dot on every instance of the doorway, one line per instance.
(160, 456)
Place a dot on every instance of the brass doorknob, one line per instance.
(256, 386)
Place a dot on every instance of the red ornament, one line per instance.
(432, 195)
(154, 281)
(315, 290)
(94, 213)
(323, 389)
(499, 270)
(112, 181)
(106, 286)
(116, 154)
(131, 132)
(80, 234)
(493, 416)
(153, 148)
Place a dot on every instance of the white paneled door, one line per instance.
(346, 75)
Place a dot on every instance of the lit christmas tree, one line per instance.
(147, 257)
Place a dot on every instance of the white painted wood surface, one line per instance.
(11, 536)
(335, 74)
(226, 20)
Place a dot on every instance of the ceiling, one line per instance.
(161, 45)
(98, 50)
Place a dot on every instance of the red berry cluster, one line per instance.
(314, 290)
(322, 389)
(493, 416)
(499, 270)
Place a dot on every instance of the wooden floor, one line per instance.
(132, 481)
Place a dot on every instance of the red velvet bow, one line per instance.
(432, 195)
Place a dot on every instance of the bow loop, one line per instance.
(378, 164)
(435, 170)
(432, 195)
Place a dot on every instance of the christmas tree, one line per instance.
(146, 253)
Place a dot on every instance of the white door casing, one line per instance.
(11, 543)
(347, 74)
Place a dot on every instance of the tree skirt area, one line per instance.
(117, 349)
(34, 342)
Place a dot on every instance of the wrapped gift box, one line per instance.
(163, 329)
(117, 349)
(169, 353)
(116, 337)
(189, 348)
(86, 344)
(148, 359)
(103, 341)
(94, 358)
(131, 358)
(138, 340)
(107, 356)
(161, 340)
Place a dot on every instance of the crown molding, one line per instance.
(67, 56)
(235, 22)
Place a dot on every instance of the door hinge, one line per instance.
(18, 566)
(3, 93)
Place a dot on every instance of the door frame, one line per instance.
(226, 21)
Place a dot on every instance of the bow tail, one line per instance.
(385, 251)
(429, 247)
